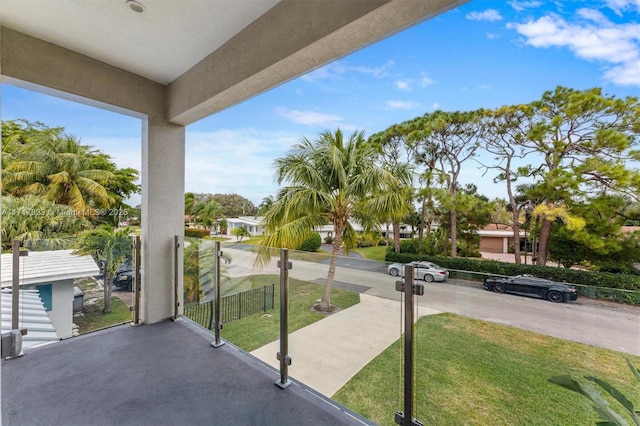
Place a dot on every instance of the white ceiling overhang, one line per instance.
(201, 56)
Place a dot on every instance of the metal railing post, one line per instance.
(283, 355)
(216, 280)
(15, 289)
(137, 278)
(405, 418)
(176, 300)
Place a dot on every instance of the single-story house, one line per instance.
(252, 223)
(51, 273)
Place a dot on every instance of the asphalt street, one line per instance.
(586, 321)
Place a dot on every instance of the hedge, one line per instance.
(196, 233)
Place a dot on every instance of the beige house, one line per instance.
(497, 238)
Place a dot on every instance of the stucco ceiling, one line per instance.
(163, 42)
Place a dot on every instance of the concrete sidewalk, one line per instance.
(327, 353)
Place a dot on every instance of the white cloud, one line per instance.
(337, 69)
(408, 105)
(627, 74)
(492, 36)
(487, 15)
(435, 106)
(425, 80)
(125, 152)
(618, 6)
(403, 85)
(522, 5)
(250, 152)
(309, 117)
(592, 37)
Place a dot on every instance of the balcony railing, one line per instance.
(478, 356)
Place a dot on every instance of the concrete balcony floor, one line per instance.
(160, 374)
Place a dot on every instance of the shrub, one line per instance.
(312, 243)
(368, 240)
(196, 233)
(328, 239)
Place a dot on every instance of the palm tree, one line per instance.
(113, 247)
(265, 205)
(207, 213)
(58, 168)
(331, 181)
(38, 223)
(189, 203)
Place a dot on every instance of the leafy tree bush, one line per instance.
(312, 243)
(196, 233)
(369, 240)
(240, 232)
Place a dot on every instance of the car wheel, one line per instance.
(555, 296)
(498, 288)
(428, 278)
(394, 272)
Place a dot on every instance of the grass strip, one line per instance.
(473, 372)
(94, 319)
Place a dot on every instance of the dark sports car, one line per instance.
(124, 277)
(528, 285)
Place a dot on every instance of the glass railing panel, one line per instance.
(250, 295)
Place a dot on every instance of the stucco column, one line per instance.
(163, 154)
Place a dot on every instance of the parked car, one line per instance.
(423, 271)
(124, 277)
(528, 285)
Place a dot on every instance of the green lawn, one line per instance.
(95, 319)
(478, 373)
(373, 253)
(257, 330)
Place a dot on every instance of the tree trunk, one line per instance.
(107, 291)
(387, 234)
(325, 302)
(396, 236)
(453, 216)
(516, 221)
(421, 229)
(543, 242)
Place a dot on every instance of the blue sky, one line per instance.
(482, 54)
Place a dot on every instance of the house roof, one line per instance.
(32, 316)
(47, 266)
(246, 220)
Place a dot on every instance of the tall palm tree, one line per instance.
(113, 247)
(190, 202)
(265, 205)
(207, 213)
(330, 180)
(38, 223)
(58, 168)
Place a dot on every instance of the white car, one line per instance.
(423, 271)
